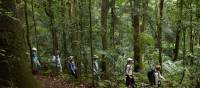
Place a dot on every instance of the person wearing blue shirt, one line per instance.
(73, 67)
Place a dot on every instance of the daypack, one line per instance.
(151, 76)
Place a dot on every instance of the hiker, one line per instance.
(35, 62)
(56, 62)
(96, 64)
(155, 77)
(130, 83)
(73, 67)
(97, 67)
(158, 76)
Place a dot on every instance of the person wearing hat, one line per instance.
(158, 76)
(73, 67)
(35, 61)
(129, 73)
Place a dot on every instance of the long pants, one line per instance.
(130, 82)
(74, 74)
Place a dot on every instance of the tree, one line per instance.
(113, 22)
(15, 69)
(91, 41)
(179, 28)
(64, 25)
(144, 14)
(50, 14)
(28, 31)
(191, 31)
(104, 31)
(136, 31)
(159, 28)
(34, 23)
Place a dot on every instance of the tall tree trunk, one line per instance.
(34, 23)
(15, 69)
(143, 25)
(156, 18)
(136, 32)
(191, 33)
(75, 27)
(113, 23)
(179, 28)
(104, 30)
(50, 14)
(28, 31)
(198, 17)
(144, 14)
(184, 38)
(159, 27)
(112, 32)
(180, 7)
(64, 35)
(69, 24)
(177, 43)
(91, 41)
(184, 53)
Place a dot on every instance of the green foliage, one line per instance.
(146, 40)
(121, 2)
(74, 21)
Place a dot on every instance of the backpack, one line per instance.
(151, 76)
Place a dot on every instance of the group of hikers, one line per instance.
(56, 64)
(154, 75)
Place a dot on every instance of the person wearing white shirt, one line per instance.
(129, 73)
(36, 62)
(56, 62)
(158, 76)
(96, 68)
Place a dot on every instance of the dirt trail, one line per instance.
(52, 82)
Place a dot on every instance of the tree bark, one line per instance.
(34, 23)
(104, 31)
(91, 41)
(177, 44)
(136, 31)
(159, 27)
(50, 14)
(179, 28)
(64, 35)
(15, 68)
(191, 34)
(28, 32)
(113, 23)
(144, 14)
(184, 37)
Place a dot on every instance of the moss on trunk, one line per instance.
(15, 68)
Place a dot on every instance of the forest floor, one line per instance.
(54, 82)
